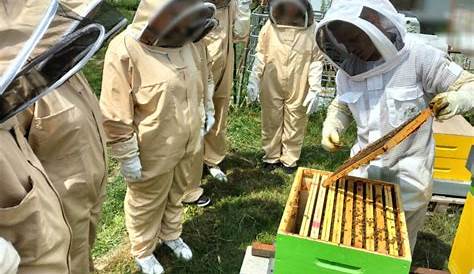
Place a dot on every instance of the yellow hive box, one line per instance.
(454, 139)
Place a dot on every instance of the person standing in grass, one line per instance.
(152, 103)
(287, 69)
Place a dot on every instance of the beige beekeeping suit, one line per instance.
(31, 214)
(64, 129)
(153, 93)
(194, 190)
(287, 54)
(220, 45)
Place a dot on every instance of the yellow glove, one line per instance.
(331, 141)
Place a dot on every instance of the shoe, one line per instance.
(149, 265)
(203, 201)
(289, 169)
(180, 249)
(269, 167)
(217, 173)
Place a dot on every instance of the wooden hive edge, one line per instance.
(403, 228)
(294, 193)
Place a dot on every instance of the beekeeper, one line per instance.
(287, 69)
(234, 26)
(384, 79)
(65, 131)
(153, 119)
(36, 237)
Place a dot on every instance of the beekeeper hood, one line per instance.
(362, 37)
(171, 23)
(292, 13)
(39, 56)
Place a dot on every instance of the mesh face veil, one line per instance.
(361, 38)
(293, 13)
(178, 23)
(67, 43)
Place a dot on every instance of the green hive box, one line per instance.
(355, 226)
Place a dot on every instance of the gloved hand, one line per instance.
(458, 100)
(337, 121)
(253, 90)
(131, 169)
(331, 140)
(449, 104)
(9, 258)
(127, 153)
(311, 102)
(210, 121)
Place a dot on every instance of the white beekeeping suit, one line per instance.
(384, 79)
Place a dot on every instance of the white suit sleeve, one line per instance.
(9, 258)
(316, 71)
(435, 69)
(242, 20)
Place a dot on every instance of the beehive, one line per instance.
(454, 139)
(353, 226)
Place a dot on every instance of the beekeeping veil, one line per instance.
(293, 13)
(171, 23)
(43, 44)
(375, 22)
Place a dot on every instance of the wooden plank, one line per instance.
(380, 231)
(390, 218)
(288, 221)
(337, 229)
(318, 212)
(404, 241)
(349, 202)
(359, 216)
(369, 211)
(328, 214)
(380, 146)
(308, 215)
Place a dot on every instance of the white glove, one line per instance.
(131, 169)
(210, 121)
(311, 102)
(331, 140)
(9, 258)
(458, 101)
(242, 20)
(253, 90)
(337, 121)
(127, 153)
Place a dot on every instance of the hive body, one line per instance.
(353, 226)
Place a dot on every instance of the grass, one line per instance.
(247, 208)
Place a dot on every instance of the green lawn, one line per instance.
(247, 208)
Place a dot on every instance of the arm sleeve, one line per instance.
(316, 71)
(435, 69)
(260, 53)
(242, 15)
(116, 100)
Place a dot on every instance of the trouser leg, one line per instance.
(94, 220)
(415, 220)
(172, 223)
(294, 128)
(145, 205)
(194, 190)
(215, 140)
(272, 128)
